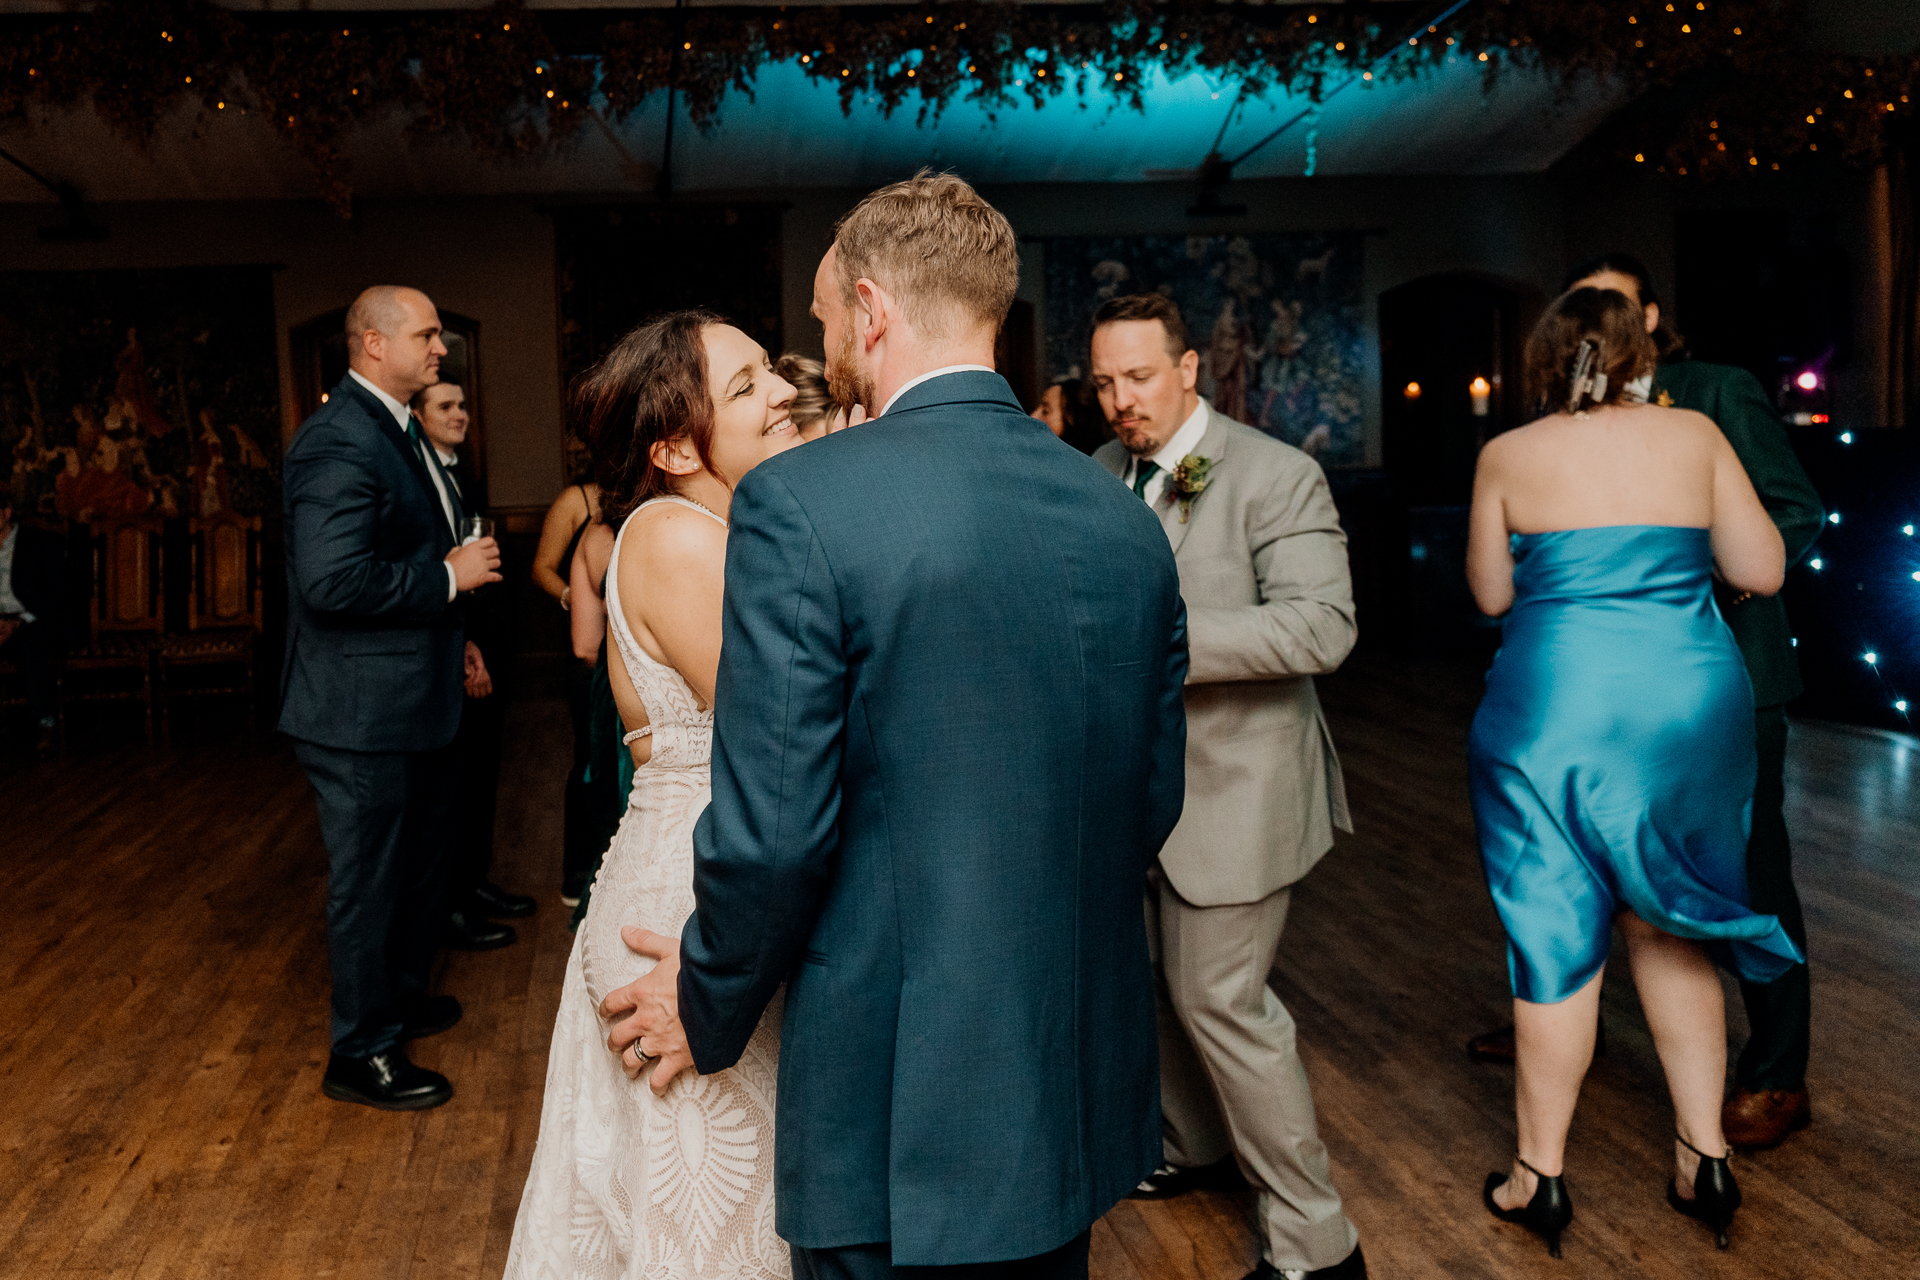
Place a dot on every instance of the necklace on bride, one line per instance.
(704, 507)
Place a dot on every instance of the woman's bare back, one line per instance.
(1612, 466)
(1618, 465)
(670, 573)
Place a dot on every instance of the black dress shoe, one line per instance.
(470, 931)
(1171, 1180)
(431, 1016)
(490, 899)
(1351, 1267)
(387, 1081)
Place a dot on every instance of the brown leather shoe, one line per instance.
(1759, 1119)
(1493, 1046)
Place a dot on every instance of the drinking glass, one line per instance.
(474, 528)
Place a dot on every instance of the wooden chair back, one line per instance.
(128, 590)
(225, 591)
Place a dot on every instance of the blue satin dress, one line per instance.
(1613, 759)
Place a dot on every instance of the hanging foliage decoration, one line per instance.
(1717, 87)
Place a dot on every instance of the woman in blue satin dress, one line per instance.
(1613, 756)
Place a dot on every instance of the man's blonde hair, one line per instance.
(945, 254)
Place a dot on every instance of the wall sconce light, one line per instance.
(1482, 392)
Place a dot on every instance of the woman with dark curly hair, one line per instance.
(679, 411)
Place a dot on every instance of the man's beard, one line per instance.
(845, 382)
(1137, 438)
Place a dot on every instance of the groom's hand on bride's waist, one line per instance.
(648, 1032)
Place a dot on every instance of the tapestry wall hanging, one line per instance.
(140, 393)
(1277, 320)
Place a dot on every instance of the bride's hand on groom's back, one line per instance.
(648, 1010)
(843, 418)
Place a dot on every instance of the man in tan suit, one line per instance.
(1263, 570)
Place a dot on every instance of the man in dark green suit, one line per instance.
(1769, 1098)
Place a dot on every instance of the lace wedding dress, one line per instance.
(626, 1185)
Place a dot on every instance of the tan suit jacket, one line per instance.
(1263, 571)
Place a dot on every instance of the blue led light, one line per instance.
(1870, 658)
(1907, 529)
(1846, 437)
(1900, 705)
(1816, 564)
(1833, 517)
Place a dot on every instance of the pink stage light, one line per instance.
(1808, 381)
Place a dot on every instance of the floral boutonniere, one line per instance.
(1189, 480)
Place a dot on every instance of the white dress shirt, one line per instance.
(929, 377)
(9, 602)
(1184, 442)
(403, 415)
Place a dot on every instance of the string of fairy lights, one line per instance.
(1723, 86)
(1859, 557)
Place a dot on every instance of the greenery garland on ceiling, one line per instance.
(1720, 86)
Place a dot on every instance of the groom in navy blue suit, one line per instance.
(372, 688)
(949, 739)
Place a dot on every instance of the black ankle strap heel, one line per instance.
(1547, 1214)
(1715, 1194)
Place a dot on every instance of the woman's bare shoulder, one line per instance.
(1516, 443)
(668, 537)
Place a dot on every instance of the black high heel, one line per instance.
(1547, 1214)
(1715, 1194)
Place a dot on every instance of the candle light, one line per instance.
(1482, 393)
(1412, 391)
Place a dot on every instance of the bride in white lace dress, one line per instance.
(626, 1184)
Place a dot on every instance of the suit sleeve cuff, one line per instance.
(453, 585)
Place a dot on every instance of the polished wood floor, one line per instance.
(163, 1032)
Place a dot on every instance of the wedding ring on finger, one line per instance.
(640, 1056)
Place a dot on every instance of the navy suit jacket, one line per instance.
(374, 647)
(949, 739)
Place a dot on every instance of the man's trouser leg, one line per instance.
(32, 650)
(477, 749)
(385, 819)
(1215, 962)
(1779, 1013)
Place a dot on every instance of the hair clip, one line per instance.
(1582, 368)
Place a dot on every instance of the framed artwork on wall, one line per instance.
(140, 394)
(1277, 320)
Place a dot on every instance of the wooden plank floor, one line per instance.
(164, 1009)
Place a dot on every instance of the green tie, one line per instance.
(1144, 470)
(413, 428)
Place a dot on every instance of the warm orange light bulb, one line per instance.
(1480, 387)
(1413, 391)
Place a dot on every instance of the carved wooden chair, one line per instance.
(125, 615)
(223, 617)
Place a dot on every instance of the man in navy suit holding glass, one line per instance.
(372, 688)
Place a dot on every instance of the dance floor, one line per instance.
(164, 1010)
